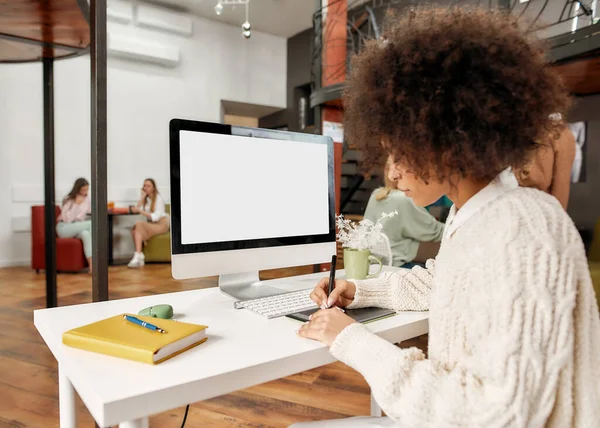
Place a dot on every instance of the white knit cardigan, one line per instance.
(514, 329)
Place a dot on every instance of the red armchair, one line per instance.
(69, 251)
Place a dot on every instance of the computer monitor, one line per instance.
(248, 199)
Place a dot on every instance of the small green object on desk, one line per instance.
(158, 311)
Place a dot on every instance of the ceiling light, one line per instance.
(233, 3)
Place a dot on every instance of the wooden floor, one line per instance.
(28, 371)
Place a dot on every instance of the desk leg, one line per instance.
(136, 423)
(66, 399)
(111, 260)
(375, 409)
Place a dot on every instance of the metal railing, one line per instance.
(560, 21)
(366, 20)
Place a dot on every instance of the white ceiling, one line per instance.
(279, 17)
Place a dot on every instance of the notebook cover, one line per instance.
(120, 338)
(362, 315)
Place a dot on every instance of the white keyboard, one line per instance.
(280, 304)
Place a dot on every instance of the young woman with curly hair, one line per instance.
(457, 97)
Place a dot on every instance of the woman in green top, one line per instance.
(414, 234)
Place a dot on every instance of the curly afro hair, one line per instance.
(452, 91)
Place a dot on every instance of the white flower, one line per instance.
(364, 235)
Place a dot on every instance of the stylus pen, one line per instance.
(332, 275)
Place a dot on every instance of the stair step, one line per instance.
(361, 192)
(352, 155)
(360, 197)
(366, 185)
(371, 184)
(349, 169)
(353, 207)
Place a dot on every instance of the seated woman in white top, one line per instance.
(152, 206)
(414, 234)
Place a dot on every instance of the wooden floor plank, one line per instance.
(343, 377)
(31, 352)
(28, 371)
(199, 417)
(258, 409)
(332, 399)
(25, 406)
(309, 376)
(19, 373)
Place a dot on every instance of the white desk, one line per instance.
(243, 350)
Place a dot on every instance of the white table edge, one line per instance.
(126, 409)
(135, 407)
(228, 383)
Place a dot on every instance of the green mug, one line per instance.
(357, 262)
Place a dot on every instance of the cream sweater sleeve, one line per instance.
(408, 290)
(511, 381)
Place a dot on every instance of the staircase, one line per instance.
(356, 190)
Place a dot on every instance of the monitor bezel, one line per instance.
(178, 125)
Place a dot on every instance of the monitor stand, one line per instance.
(245, 286)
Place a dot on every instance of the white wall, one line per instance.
(216, 63)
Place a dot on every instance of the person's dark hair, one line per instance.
(452, 90)
(79, 183)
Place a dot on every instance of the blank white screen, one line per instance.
(239, 188)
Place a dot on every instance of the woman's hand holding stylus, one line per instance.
(341, 296)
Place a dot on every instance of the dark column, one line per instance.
(99, 176)
(49, 194)
(317, 40)
(333, 71)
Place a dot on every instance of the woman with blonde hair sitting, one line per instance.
(414, 234)
(152, 206)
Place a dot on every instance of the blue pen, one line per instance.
(143, 323)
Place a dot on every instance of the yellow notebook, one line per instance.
(121, 338)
